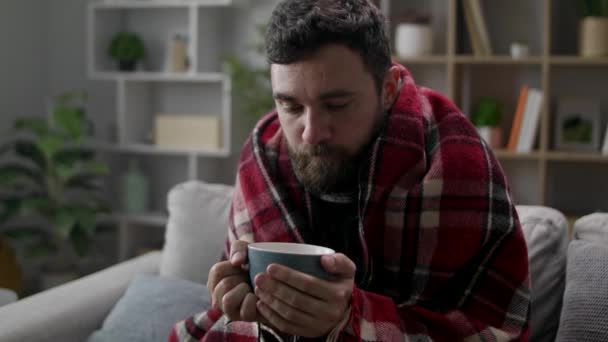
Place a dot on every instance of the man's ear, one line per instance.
(390, 87)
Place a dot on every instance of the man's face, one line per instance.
(329, 108)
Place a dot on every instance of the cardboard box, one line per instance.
(188, 131)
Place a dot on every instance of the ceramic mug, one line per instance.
(300, 257)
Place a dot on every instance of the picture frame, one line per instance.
(578, 125)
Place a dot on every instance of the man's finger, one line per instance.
(220, 271)
(249, 311)
(339, 265)
(238, 253)
(232, 300)
(224, 286)
(315, 287)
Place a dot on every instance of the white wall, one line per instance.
(23, 59)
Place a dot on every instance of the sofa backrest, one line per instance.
(196, 231)
(546, 233)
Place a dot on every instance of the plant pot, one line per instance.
(10, 272)
(413, 40)
(491, 135)
(593, 37)
(125, 65)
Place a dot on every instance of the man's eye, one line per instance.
(291, 108)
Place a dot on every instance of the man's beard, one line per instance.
(324, 168)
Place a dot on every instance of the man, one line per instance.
(392, 176)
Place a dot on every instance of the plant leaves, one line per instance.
(11, 207)
(29, 150)
(12, 172)
(24, 233)
(36, 203)
(70, 121)
(87, 219)
(80, 241)
(85, 181)
(63, 223)
(40, 249)
(97, 168)
(69, 156)
(36, 125)
(50, 144)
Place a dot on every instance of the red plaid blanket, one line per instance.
(444, 246)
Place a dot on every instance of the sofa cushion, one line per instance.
(546, 233)
(585, 311)
(150, 307)
(196, 231)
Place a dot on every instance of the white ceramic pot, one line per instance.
(593, 37)
(413, 40)
(491, 135)
(519, 50)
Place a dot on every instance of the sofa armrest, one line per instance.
(71, 312)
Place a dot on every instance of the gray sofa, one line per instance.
(193, 241)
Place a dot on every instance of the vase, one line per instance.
(593, 37)
(412, 40)
(491, 135)
(135, 187)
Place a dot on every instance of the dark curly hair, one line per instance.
(298, 28)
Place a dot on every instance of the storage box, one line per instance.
(188, 131)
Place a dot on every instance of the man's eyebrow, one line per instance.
(336, 94)
(283, 97)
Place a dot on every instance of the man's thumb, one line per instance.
(339, 264)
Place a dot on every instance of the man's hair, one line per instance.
(299, 28)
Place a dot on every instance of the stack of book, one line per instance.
(476, 26)
(526, 120)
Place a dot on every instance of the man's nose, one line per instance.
(316, 128)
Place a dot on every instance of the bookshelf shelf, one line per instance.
(433, 59)
(578, 61)
(470, 59)
(552, 67)
(577, 157)
(509, 155)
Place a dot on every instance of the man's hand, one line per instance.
(229, 288)
(299, 304)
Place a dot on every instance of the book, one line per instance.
(605, 147)
(481, 27)
(530, 123)
(473, 34)
(517, 119)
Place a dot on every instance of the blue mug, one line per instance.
(297, 256)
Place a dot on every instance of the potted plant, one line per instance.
(486, 117)
(127, 48)
(593, 30)
(414, 35)
(251, 85)
(51, 186)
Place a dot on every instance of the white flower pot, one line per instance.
(593, 37)
(413, 40)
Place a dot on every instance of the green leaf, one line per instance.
(63, 223)
(13, 172)
(36, 203)
(40, 249)
(24, 233)
(84, 181)
(97, 168)
(69, 156)
(70, 121)
(29, 150)
(11, 207)
(87, 219)
(36, 125)
(80, 241)
(50, 144)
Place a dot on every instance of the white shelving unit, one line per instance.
(204, 88)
